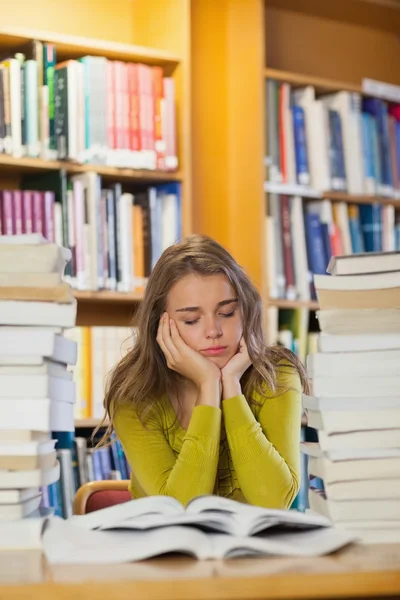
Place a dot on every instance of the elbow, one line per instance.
(278, 494)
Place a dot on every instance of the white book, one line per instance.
(318, 450)
(24, 534)
(29, 479)
(359, 321)
(270, 257)
(357, 343)
(368, 262)
(15, 105)
(125, 231)
(346, 403)
(353, 364)
(35, 414)
(366, 281)
(335, 421)
(38, 343)
(367, 489)
(353, 470)
(354, 510)
(43, 258)
(360, 440)
(63, 542)
(342, 387)
(12, 512)
(22, 279)
(37, 386)
(39, 313)
(47, 367)
(18, 496)
(348, 105)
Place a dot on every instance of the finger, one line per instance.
(161, 343)
(167, 339)
(176, 336)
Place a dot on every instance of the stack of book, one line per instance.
(36, 389)
(355, 403)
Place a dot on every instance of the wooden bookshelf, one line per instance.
(282, 303)
(307, 193)
(355, 199)
(89, 423)
(321, 84)
(73, 46)
(109, 297)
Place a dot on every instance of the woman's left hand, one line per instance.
(233, 371)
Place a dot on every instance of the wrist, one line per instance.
(230, 386)
(209, 392)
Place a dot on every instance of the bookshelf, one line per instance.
(155, 34)
(330, 46)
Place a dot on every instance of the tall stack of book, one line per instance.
(36, 389)
(355, 403)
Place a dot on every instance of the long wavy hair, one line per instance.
(142, 376)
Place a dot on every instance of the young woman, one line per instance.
(201, 405)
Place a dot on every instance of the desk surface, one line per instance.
(355, 572)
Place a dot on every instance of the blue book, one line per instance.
(371, 226)
(316, 251)
(357, 240)
(379, 109)
(300, 144)
(367, 123)
(66, 440)
(105, 462)
(397, 139)
(97, 466)
(336, 153)
(121, 460)
(54, 492)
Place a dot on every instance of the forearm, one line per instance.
(265, 477)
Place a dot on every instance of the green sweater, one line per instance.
(247, 452)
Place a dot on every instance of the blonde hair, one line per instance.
(142, 376)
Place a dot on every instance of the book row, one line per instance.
(339, 141)
(87, 110)
(99, 350)
(79, 464)
(115, 237)
(302, 236)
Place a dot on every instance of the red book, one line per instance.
(125, 121)
(133, 107)
(118, 103)
(48, 215)
(169, 125)
(37, 213)
(7, 217)
(159, 114)
(143, 133)
(17, 220)
(27, 212)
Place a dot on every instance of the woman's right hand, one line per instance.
(183, 359)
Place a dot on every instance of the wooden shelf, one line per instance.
(31, 165)
(109, 297)
(282, 303)
(321, 84)
(355, 199)
(80, 423)
(72, 46)
(307, 193)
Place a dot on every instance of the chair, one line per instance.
(100, 494)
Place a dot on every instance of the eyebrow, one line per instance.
(197, 308)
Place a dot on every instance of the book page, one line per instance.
(152, 505)
(66, 543)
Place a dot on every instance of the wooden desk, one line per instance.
(356, 572)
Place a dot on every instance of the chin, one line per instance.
(220, 361)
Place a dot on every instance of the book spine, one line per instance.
(31, 108)
(287, 249)
(61, 110)
(7, 216)
(110, 106)
(112, 259)
(49, 65)
(17, 201)
(171, 155)
(2, 102)
(48, 216)
(37, 214)
(27, 218)
(159, 115)
(23, 108)
(7, 109)
(302, 170)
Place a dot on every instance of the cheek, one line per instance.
(188, 334)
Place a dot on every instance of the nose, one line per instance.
(213, 328)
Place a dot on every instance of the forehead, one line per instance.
(200, 290)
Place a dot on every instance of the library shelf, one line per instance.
(105, 296)
(73, 46)
(90, 422)
(31, 165)
(321, 84)
(283, 303)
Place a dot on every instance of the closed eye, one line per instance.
(227, 315)
(191, 322)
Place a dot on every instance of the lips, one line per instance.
(215, 351)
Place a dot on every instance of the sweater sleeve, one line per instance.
(266, 451)
(154, 464)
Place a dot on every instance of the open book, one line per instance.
(210, 513)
